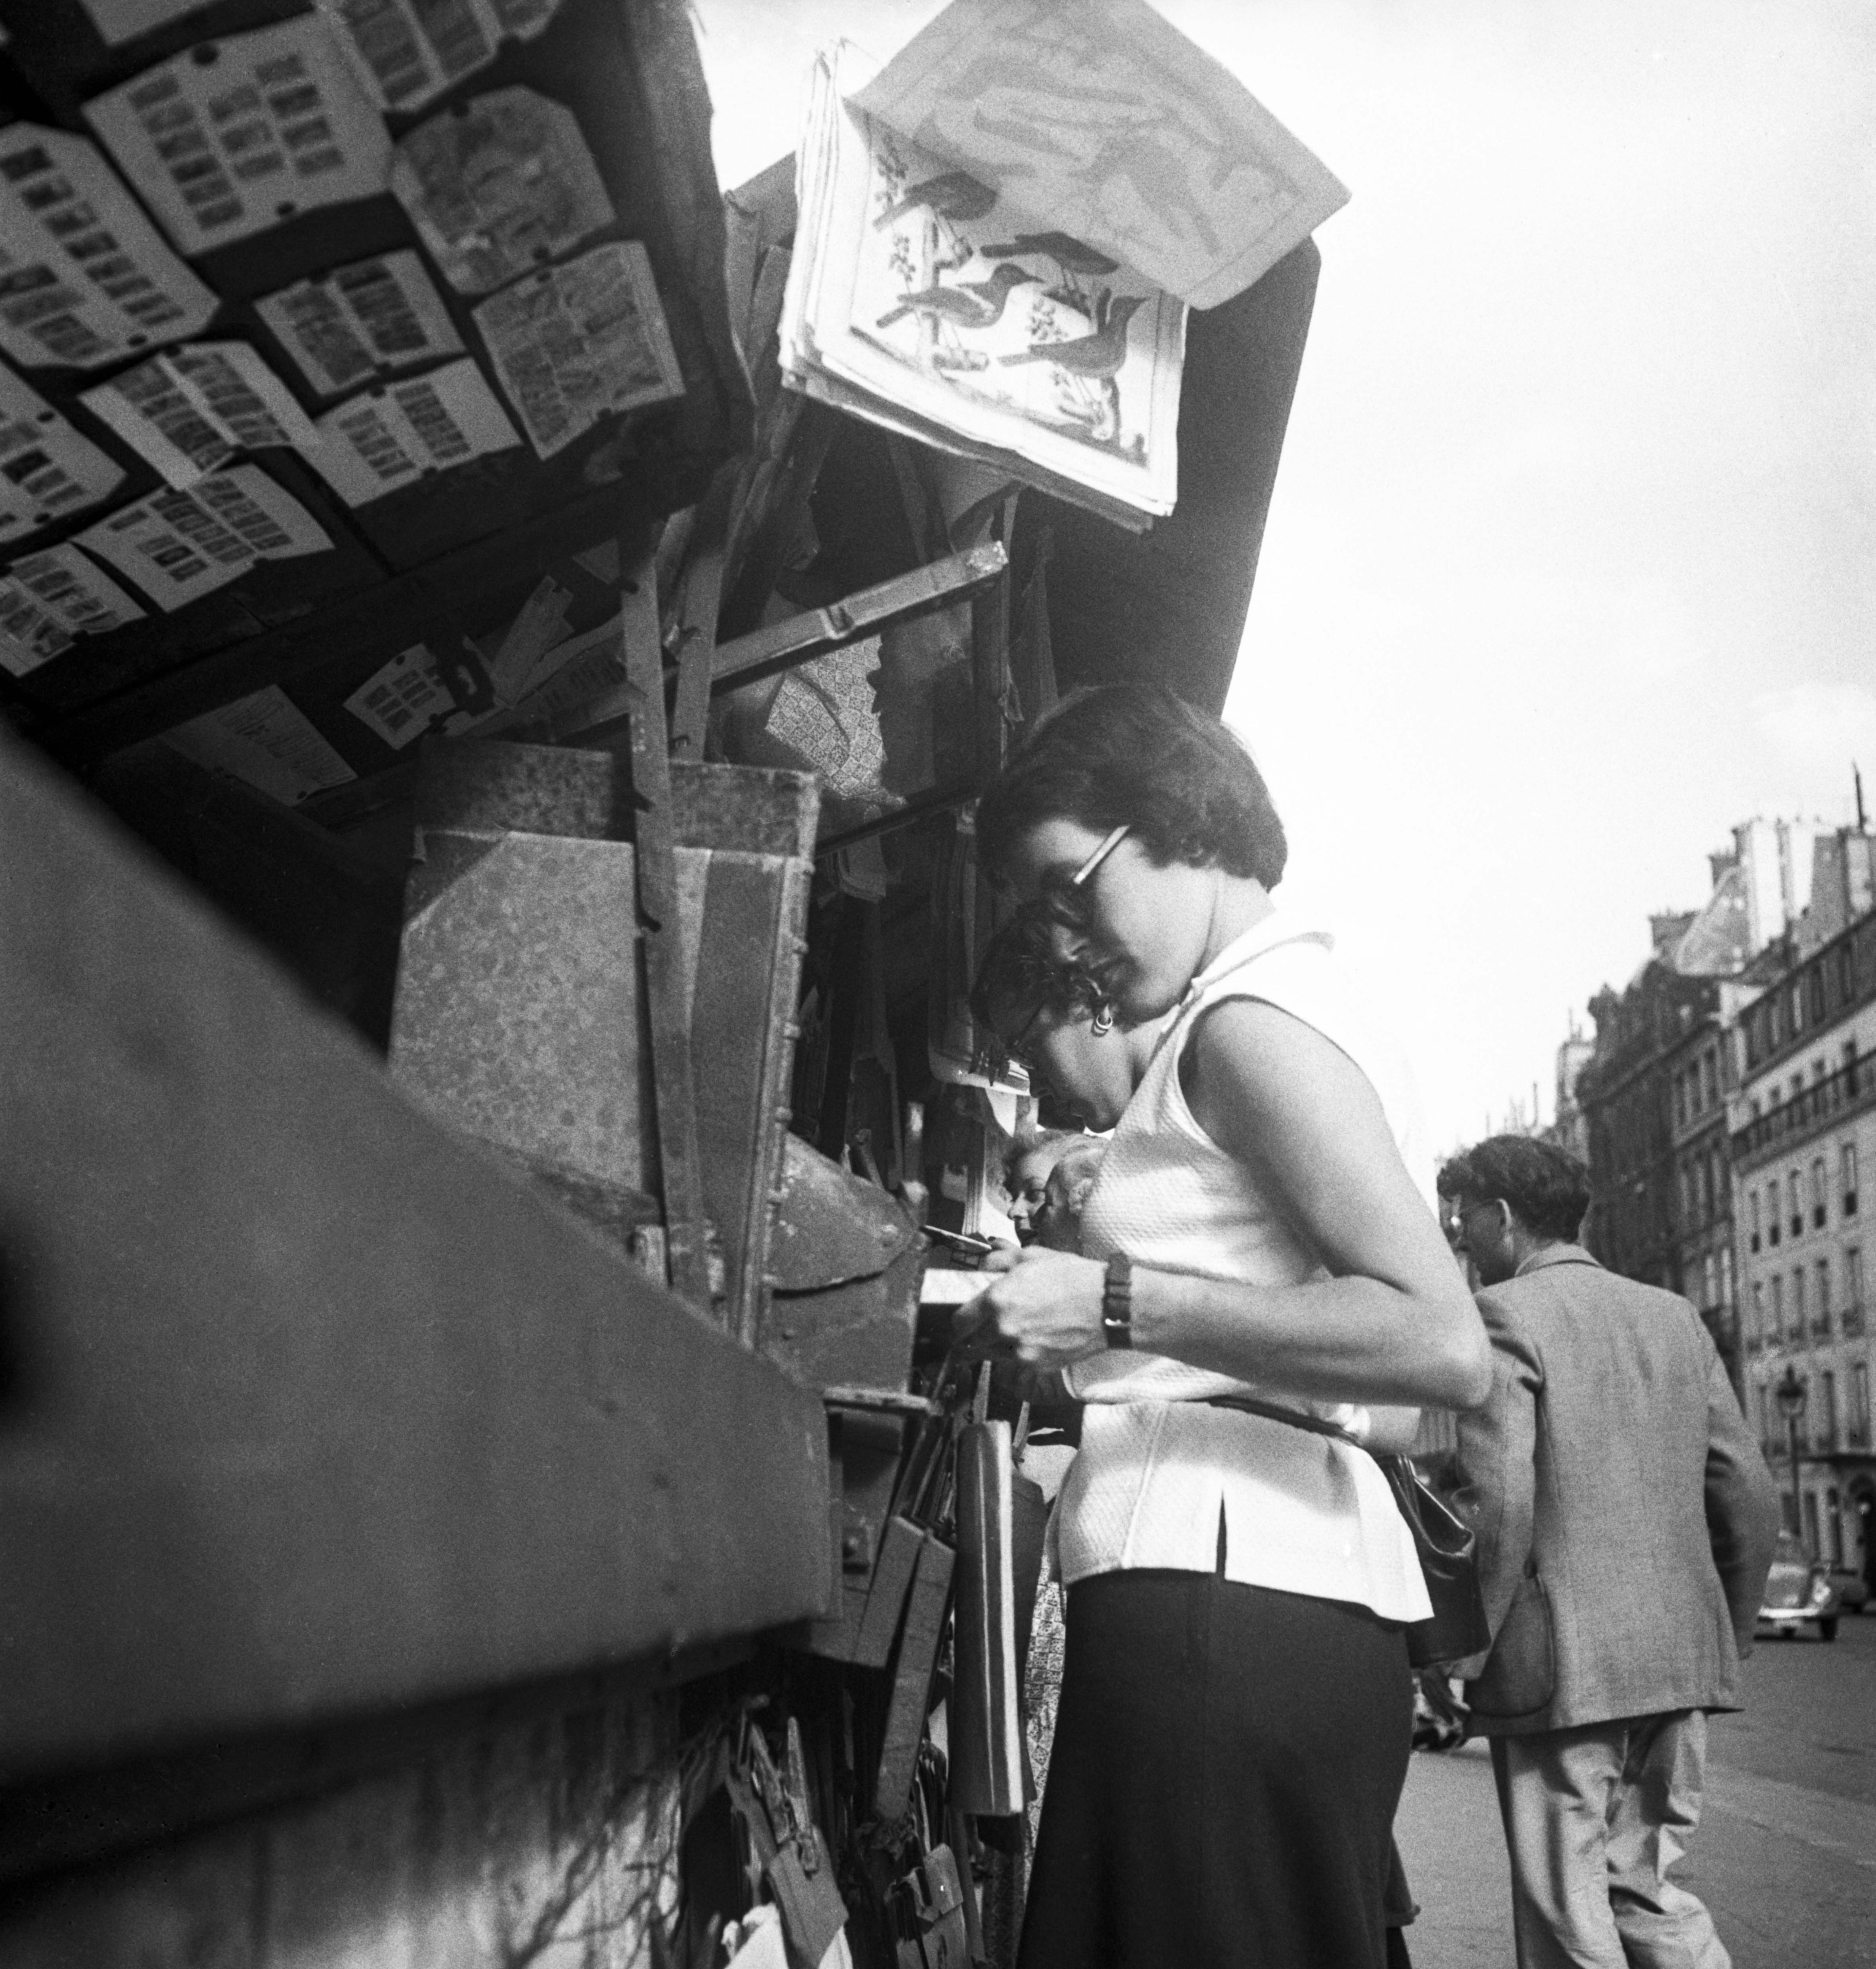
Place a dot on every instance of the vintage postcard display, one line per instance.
(512, 318)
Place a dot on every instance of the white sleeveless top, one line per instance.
(1302, 1512)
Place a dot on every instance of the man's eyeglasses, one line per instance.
(1065, 901)
(1457, 1216)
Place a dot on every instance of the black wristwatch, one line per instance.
(1117, 1302)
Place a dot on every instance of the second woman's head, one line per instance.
(1119, 819)
(1049, 1016)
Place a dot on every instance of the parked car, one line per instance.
(1852, 1590)
(1798, 1593)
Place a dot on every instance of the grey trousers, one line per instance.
(1594, 1818)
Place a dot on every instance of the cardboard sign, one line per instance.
(574, 344)
(497, 187)
(178, 546)
(359, 321)
(266, 740)
(389, 438)
(234, 136)
(85, 278)
(47, 471)
(48, 600)
(189, 409)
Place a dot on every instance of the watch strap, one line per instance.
(1117, 1302)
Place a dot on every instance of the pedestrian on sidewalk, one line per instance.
(1625, 1521)
(1235, 1700)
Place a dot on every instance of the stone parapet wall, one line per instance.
(546, 1844)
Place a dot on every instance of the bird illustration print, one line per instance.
(1068, 254)
(955, 196)
(964, 304)
(1098, 357)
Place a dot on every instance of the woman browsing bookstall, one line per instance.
(1235, 1710)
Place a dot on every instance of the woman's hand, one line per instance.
(1045, 1311)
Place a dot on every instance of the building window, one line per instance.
(1797, 1201)
(1752, 1213)
(1797, 1302)
(1725, 1276)
(1852, 1291)
(1859, 1404)
(1817, 1192)
(1849, 1178)
(1709, 1282)
(1775, 1220)
(1777, 1329)
(1821, 1313)
(1810, 1522)
(1709, 1076)
(1814, 994)
(1833, 1522)
(1846, 975)
(1826, 1436)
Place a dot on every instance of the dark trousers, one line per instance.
(1221, 1791)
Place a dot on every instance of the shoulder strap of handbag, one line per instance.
(1436, 1527)
(1275, 1412)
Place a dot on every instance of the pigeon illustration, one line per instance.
(968, 304)
(1069, 254)
(956, 196)
(1098, 356)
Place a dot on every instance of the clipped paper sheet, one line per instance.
(189, 410)
(85, 278)
(408, 52)
(234, 136)
(497, 188)
(540, 625)
(47, 471)
(576, 343)
(178, 546)
(345, 327)
(408, 697)
(1124, 134)
(48, 600)
(267, 741)
(120, 21)
(390, 437)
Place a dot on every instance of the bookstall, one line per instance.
(500, 641)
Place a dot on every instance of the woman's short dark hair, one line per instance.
(1136, 754)
(1547, 1188)
(1021, 977)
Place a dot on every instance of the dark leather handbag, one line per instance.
(1447, 1545)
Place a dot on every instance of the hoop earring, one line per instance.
(1103, 1022)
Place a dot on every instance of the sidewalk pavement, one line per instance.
(1788, 1873)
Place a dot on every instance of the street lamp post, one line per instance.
(1792, 1394)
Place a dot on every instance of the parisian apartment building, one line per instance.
(1803, 1145)
(1729, 1113)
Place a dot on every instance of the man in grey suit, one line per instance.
(1625, 1521)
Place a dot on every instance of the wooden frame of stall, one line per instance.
(469, 1319)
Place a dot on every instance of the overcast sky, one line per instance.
(1569, 563)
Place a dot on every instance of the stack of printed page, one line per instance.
(999, 236)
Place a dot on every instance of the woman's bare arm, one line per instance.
(1393, 1325)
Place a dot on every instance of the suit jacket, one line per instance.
(1625, 1515)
